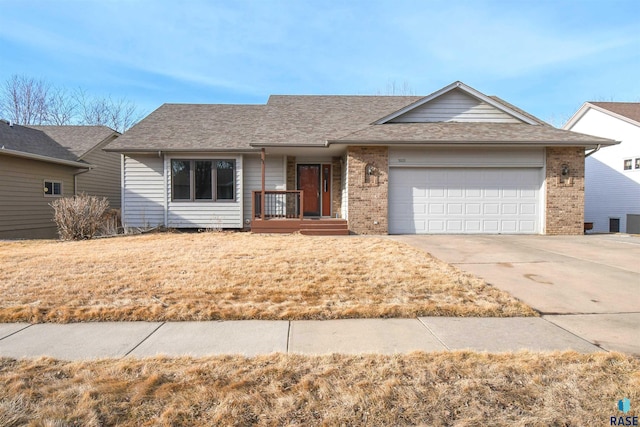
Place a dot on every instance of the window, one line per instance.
(203, 179)
(627, 164)
(52, 188)
(638, 163)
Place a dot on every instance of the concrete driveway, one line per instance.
(588, 285)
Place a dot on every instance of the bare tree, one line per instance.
(118, 114)
(27, 101)
(393, 88)
(24, 100)
(62, 108)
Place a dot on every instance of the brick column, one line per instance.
(336, 186)
(565, 194)
(368, 170)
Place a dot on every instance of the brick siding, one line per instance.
(565, 194)
(336, 187)
(368, 193)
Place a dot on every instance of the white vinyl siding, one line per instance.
(275, 179)
(143, 197)
(472, 157)
(455, 106)
(609, 190)
(205, 214)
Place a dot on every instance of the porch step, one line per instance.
(324, 227)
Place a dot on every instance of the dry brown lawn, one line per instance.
(434, 389)
(176, 276)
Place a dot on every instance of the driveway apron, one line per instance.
(588, 285)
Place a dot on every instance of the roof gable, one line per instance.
(626, 111)
(458, 102)
(79, 140)
(18, 139)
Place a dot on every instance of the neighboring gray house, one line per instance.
(455, 161)
(612, 174)
(41, 163)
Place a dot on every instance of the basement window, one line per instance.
(203, 180)
(52, 188)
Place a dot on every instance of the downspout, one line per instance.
(75, 179)
(593, 151)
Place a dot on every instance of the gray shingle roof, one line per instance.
(195, 127)
(77, 139)
(32, 141)
(469, 133)
(303, 120)
(630, 110)
(314, 120)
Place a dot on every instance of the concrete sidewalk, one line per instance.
(80, 341)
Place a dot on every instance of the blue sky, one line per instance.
(546, 57)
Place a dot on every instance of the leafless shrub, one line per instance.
(111, 222)
(79, 217)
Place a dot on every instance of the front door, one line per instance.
(309, 182)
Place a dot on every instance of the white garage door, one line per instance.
(464, 200)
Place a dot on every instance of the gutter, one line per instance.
(592, 151)
(75, 179)
(72, 163)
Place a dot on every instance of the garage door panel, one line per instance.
(457, 200)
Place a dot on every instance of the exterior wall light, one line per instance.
(565, 170)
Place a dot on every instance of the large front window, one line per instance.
(203, 179)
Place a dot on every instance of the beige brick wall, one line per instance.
(368, 194)
(565, 194)
(291, 172)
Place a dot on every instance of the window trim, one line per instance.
(53, 183)
(214, 183)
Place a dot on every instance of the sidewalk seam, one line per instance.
(574, 334)
(433, 333)
(19, 330)
(288, 336)
(144, 339)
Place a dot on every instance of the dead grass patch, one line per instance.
(435, 389)
(174, 276)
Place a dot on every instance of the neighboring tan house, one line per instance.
(456, 161)
(41, 163)
(612, 174)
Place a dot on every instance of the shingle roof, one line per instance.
(77, 139)
(304, 120)
(314, 120)
(32, 141)
(469, 133)
(193, 127)
(630, 110)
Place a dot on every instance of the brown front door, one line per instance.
(326, 190)
(309, 182)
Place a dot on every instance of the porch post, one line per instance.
(262, 156)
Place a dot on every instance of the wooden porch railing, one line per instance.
(281, 204)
